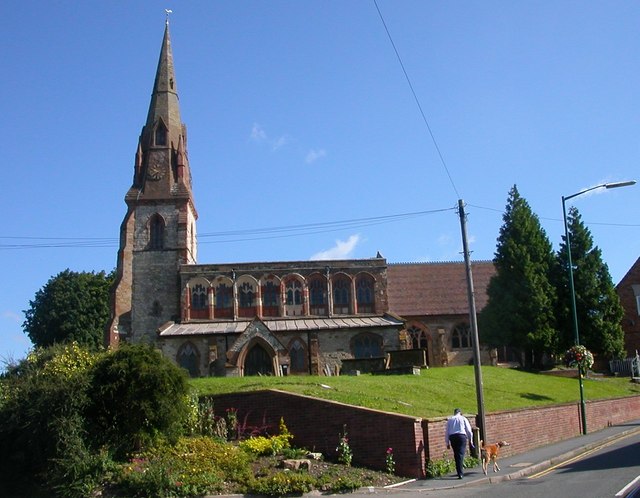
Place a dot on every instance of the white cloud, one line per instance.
(341, 250)
(280, 142)
(257, 133)
(313, 155)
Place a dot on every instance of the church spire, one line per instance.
(164, 109)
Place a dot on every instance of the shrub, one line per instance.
(282, 483)
(194, 466)
(136, 396)
(273, 445)
(42, 413)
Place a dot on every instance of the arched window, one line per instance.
(294, 292)
(366, 345)
(293, 296)
(341, 296)
(246, 299)
(418, 337)
(224, 301)
(318, 296)
(161, 134)
(246, 295)
(271, 298)
(270, 294)
(199, 301)
(364, 294)
(188, 359)
(156, 232)
(461, 337)
(298, 356)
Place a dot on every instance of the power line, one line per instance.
(32, 242)
(415, 97)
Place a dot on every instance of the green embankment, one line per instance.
(436, 391)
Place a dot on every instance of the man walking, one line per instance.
(457, 434)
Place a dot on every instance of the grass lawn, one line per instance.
(435, 392)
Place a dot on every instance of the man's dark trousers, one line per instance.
(459, 445)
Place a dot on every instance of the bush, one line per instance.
(194, 466)
(135, 397)
(282, 483)
(346, 480)
(41, 412)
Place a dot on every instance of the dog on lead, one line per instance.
(490, 453)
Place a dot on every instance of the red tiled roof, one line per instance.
(436, 288)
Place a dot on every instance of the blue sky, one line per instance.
(299, 113)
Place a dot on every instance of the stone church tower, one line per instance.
(158, 232)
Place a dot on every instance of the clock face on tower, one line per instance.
(155, 171)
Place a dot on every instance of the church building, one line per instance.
(272, 318)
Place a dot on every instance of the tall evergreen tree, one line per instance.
(72, 306)
(598, 307)
(520, 310)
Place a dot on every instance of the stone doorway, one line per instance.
(258, 362)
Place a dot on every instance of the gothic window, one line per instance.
(188, 359)
(246, 299)
(298, 356)
(341, 296)
(270, 294)
(224, 301)
(293, 296)
(366, 345)
(418, 337)
(294, 292)
(461, 337)
(198, 297)
(271, 297)
(364, 294)
(156, 232)
(161, 135)
(318, 295)
(246, 295)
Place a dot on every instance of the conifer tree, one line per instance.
(72, 306)
(520, 309)
(598, 307)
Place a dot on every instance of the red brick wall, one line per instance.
(317, 425)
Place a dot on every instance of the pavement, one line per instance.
(526, 464)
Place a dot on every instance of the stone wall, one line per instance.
(317, 424)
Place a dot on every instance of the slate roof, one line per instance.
(279, 325)
(418, 289)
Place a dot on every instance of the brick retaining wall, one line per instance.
(317, 425)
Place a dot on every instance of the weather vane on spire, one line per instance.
(168, 11)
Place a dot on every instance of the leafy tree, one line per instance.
(136, 395)
(598, 307)
(70, 307)
(520, 309)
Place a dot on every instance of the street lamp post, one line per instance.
(572, 292)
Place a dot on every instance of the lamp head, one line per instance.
(620, 184)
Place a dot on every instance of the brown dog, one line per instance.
(490, 452)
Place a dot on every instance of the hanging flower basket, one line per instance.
(578, 357)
